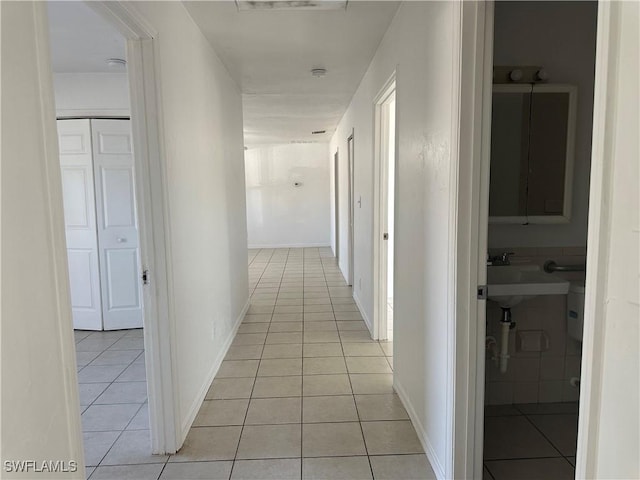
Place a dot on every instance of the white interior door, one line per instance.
(384, 193)
(351, 278)
(117, 224)
(74, 138)
(390, 155)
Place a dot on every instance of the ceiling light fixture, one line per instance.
(116, 62)
(318, 72)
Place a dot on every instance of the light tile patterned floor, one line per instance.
(303, 392)
(113, 397)
(530, 441)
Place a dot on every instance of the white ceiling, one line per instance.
(81, 40)
(270, 54)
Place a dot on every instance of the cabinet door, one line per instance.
(74, 138)
(548, 156)
(117, 224)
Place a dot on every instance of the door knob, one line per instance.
(121, 240)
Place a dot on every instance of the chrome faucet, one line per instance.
(499, 260)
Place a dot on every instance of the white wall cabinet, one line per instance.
(96, 159)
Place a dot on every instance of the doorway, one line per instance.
(101, 226)
(125, 371)
(385, 193)
(532, 348)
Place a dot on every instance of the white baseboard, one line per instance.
(422, 435)
(291, 245)
(367, 320)
(197, 403)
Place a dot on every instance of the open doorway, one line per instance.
(108, 153)
(385, 144)
(540, 138)
(101, 225)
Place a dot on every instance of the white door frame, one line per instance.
(470, 236)
(350, 173)
(473, 49)
(380, 207)
(336, 201)
(153, 217)
(598, 246)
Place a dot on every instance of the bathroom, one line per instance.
(544, 58)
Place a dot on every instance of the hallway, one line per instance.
(303, 392)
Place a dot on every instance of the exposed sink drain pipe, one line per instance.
(505, 325)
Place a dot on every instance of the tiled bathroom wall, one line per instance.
(536, 377)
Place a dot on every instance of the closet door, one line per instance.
(117, 224)
(74, 138)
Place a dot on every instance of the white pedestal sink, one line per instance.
(510, 285)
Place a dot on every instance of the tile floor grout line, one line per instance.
(544, 436)
(545, 457)
(261, 274)
(306, 266)
(93, 402)
(353, 397)
(258, 283)
(164, 466)
(246, 413)
(395, 420)
(302, 378)
(118, 438)
(114, 381)
(486, 467)
(566, 457)
(285, 458)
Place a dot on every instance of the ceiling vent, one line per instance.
(246, 5)
(116, 62)
(318, 72)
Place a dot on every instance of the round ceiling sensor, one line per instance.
(318, 72)
(116, 62)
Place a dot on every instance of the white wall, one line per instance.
(91, 94)
(204, 173)
(419, 44)
(609, 411)
(40, 405)
(280, 214)
(559, 36)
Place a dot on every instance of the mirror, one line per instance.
(532, 142)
